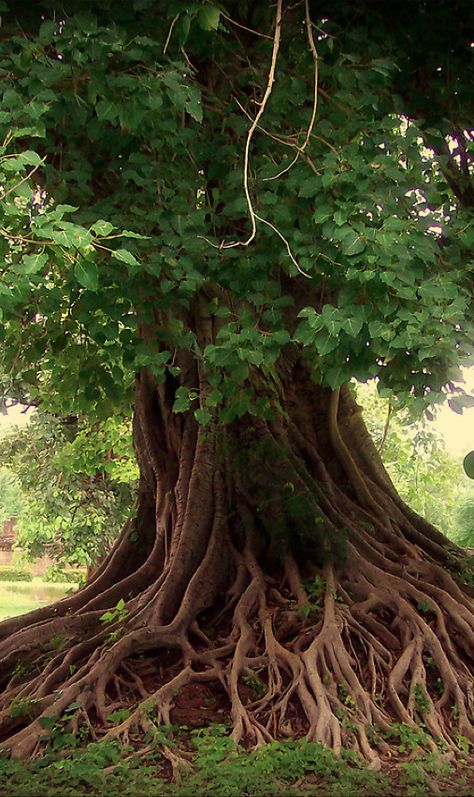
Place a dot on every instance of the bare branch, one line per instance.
(314, 52)
(244, 27)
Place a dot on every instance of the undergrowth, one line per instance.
(206, 762)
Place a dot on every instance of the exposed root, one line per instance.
(340, 647)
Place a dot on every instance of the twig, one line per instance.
(254, 217)
(244, 27)
(288, 248)
(168, 38)
(24, 179)
(281, 140)
(385, 429)
(314, 53)
(253, 126)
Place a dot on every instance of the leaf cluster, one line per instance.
(122, 133)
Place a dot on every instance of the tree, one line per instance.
(426, 476)
(76, 482)
(233, 210)
(464, 528)
(10, 496)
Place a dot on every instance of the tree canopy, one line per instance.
(312, 186)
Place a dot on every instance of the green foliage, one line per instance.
(462, 568)
(214, 766)
(77, 483)
(10, 496)
(424, 474)
(12, 574)
(288, 767)
(253, 681)
(464, 520)
(118, 174)
(421, 700)
(22, 707)
(409, 737)
(420, 774)
(117, 614)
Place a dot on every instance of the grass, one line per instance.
(19, 597)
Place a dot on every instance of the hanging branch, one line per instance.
(254, 217)
(314, 53)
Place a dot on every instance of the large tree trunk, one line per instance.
(286, 541)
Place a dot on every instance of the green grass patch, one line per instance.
(12, 574)
(19, 597)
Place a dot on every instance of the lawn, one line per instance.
(19, 597)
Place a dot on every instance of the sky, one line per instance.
(457, 430)
(15, 417)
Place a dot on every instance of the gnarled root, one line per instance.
(368, 642)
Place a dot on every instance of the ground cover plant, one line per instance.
(222, 214)
(205, 761)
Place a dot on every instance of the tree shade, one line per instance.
(223, 213)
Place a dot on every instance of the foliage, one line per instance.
(10, 496)
(464, 527)
(215, 767)
(11, 574)
(117, 614)
(410, 737)
(425, 475)
(77, 484)
(121, 181)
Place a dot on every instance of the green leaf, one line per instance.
(120, 715)
(202, 416)
(331, 318)
(72, 236)
(47, 722)
(352, 326)
(31, 264)
(194, 107)
(125, 257)
(335, 376)
(101, 227)
(208, 17)
(325, 342)
(107, 617)
(468, 465)
(353, 244)
(87, 274)
(376, 328)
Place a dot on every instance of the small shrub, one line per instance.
(11, 574)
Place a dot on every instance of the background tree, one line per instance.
(430, 480)
(464, 521)
(76, 484)
(10, 496)
(232, 211)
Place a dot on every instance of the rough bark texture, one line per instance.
(275, 553)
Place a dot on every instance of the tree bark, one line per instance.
(287, 542)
